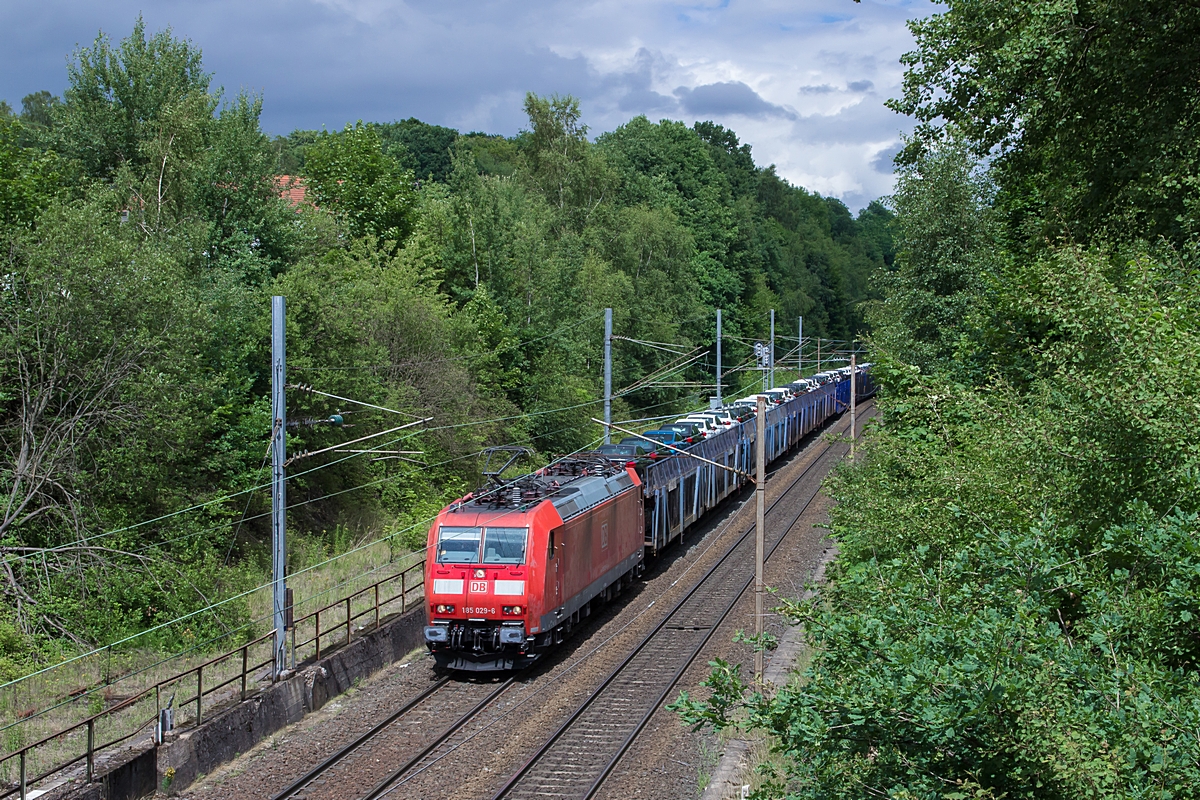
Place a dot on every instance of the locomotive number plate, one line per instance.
(479, 587)
(479, 610)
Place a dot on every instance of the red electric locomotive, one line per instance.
(512, 567)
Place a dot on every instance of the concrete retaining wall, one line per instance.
(188, 753)
(137, 777)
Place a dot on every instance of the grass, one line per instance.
(64, 696)
(763, 764)
(710, 756)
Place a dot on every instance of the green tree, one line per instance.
(29, 178)
(38, 109)
(948, 240)
(289, 151)
(668, 166)
(142, 104)
(89, 364)
(140, 116)
(234, 194)
(878, 226)
(1089, 108)
(357, 181)
(493, 155)
(419, 146)
(733, 158)
(561, 163)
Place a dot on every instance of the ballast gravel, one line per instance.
(666, 761)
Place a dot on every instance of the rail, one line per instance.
(311, 635)
(585, 764)
(132, 716)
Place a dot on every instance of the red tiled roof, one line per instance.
(292, 188)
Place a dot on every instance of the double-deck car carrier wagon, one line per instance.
(679, 490)
(512, 567)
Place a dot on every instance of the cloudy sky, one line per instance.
(803, 82)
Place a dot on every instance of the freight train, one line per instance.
(513, 567)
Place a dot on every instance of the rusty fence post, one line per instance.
(348, 626)
(317, 639)
(245, 660)
(91, 753)
(24, 784)
(199, 694)
(404, 590)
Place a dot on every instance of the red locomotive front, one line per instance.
(511, 568)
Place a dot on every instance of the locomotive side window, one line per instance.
(504, 545)
(458, 545)
(550, 548)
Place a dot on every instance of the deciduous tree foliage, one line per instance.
(29, 178)
(950, 250)
(138, 104)
(1089, 107)
(457, 277)
(367, 189)
(1014, 609)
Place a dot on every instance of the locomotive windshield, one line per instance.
(504, 545)
(458, 545)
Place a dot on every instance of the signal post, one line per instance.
(760, 499)
(853, 402)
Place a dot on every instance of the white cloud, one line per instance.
(802, 82)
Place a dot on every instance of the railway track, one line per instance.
(579, 756)
(363, 768)
(575, 761)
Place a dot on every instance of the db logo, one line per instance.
(479, 586)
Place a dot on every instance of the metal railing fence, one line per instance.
(200, 689)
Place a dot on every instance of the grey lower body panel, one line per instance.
(554, 618)
(457, 649)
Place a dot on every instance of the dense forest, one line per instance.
(456, 276)
(1015, 610)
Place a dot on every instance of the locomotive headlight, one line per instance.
(442, 608)
(480, 573)
(513, 610)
